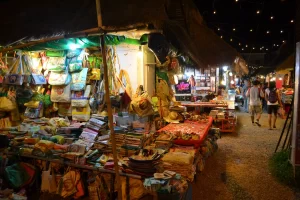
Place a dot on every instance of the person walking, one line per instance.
(255, 109)
(246, 99)
(273, 101)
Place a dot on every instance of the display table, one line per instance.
(204, 104)
(228, 124)
(188, 127)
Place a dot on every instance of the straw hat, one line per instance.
(103, 114)
(173, 117)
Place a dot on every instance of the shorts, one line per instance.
(272, 109)
(255, 110)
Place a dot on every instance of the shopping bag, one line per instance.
(59, 78)
(79, 80)
(61, 93)
(56, 64)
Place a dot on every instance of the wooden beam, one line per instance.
(110, 117)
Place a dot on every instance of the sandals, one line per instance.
(258, 124)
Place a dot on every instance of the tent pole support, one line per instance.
(110, 118)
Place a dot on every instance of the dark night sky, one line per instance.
(234, 20)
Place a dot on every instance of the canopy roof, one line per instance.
(287, 64)
(180, 21)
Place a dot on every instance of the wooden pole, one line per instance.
(110, 118)
(99, 15)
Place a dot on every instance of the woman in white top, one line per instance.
(273, 102)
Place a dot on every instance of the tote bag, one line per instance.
(15, 72)
(79, 80)
(56, 64)
(60, 94)
(80, 98)
(59, 78)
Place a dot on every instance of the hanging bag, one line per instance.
(56, 64)
(80, 98)
(59, 78)
(15, 72)
(61, 93)
(79, 80)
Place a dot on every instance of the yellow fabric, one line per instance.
(178, 158)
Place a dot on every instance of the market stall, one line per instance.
(58, 117)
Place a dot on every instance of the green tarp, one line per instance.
(84, 42)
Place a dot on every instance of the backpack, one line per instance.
(273, 96)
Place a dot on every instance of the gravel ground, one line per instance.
(239, 170)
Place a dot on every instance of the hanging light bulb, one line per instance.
(240, 44)
(268, 32)
(292, 21)
(219, 29)
(221, 36)
(251, 30)
(215, 12)
(258, 12)
(271, 17)
(281, 31)
(243, 49)
(246, 45)
(231, 40)
(233, 29)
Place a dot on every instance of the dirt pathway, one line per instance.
(239, 170)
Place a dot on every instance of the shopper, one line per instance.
(246, 99)
(255, 94)
(273, 101)
(264, 102)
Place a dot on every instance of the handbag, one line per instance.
(60, 94)
(59, 78)
(79, 80)
(56, 64)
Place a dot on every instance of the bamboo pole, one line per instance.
(110, 118)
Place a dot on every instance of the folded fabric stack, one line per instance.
(181, 163)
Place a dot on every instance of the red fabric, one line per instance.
(200, 129)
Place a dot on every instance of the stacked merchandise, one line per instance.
(287, 96)
(181, 161)
(144, 163)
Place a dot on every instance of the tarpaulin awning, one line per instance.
(82, 42)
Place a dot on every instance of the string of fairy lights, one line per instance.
(228, 32)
